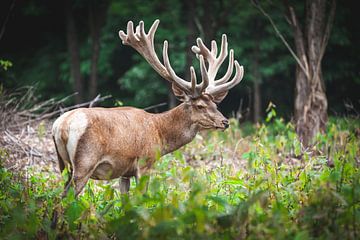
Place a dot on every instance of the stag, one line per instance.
(108, 143)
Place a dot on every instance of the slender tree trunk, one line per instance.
(190, 9)
(301, 85)
(73, 48)
(301, 93)
(208, 21)
(97, 16)
(257, 91)
(257, 79)
(311, 101)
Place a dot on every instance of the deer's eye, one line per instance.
(201, 106)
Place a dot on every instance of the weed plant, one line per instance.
(278, 191)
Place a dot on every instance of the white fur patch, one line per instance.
(78, 124)
(56, 132)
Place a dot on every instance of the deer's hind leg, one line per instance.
(85, 165)
(63, 159)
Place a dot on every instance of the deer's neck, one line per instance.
(175, 128)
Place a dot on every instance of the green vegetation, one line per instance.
(277, 190)
(44, 60)
(5, 64)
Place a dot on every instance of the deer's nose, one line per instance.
(225, 123)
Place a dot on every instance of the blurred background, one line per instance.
(62, 47)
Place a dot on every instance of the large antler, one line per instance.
(214, 63)
(144, 44)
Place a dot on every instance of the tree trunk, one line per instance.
(73, 48)
(257, 78)
(97, 16)
(257, 91)
(301, 93)
(208, 21)
(190, 38)
(311, 105)
(189, 9)
(310, 42)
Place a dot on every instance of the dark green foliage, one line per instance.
(281, 191)
(39, 54)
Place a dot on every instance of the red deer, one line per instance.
(107, 143)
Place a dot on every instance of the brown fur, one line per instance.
(120, 142)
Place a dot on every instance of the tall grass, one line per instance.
(260, 186)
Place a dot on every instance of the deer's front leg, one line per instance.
(125, 181)
(124, 184)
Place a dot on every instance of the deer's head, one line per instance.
(201, 98)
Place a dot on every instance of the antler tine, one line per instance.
(223, 52)
(130, 30)
(226, 86)
(193, 79)
(140, 30)
(214, 68)
(201, 49)
(229, 71)
(144, 44)
(184, 85)
(204, 76)
(153, 29)
(213, 48)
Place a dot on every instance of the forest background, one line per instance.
(73, 46)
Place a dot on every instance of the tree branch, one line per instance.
(155, 106)
(303, 68)
(327, 32)
(7, 19)
(326, 36)
(98, 98)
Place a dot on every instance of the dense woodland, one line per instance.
(62, 48)
(288, 167)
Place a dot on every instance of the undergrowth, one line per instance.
(281, 191)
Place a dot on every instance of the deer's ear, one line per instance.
(179, 93)
(218, 97)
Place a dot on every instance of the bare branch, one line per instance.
(303, 68)
(155, 106)
(326, 37)
(3, 27)
(327, 32)
(19, 111)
